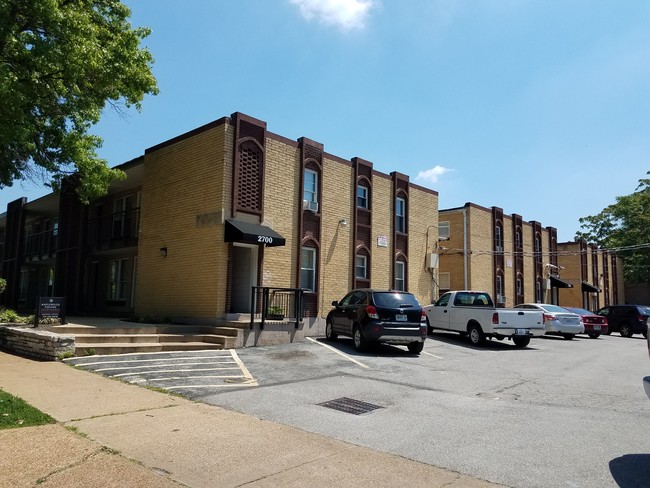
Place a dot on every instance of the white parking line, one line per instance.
(337, 352)
(154, 366)
(147, 360)
(429, 354)
(169, 371)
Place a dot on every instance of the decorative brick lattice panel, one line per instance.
(250, 178)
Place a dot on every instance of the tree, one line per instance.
(61, 62)
(624, 224)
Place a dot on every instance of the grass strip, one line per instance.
(15, 412)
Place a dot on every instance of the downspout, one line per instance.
(465, 257)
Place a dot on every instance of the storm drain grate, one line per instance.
(350, 405)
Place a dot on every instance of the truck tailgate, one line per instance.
(521, 319)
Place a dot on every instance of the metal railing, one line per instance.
(276, 305)
(119, 229)
(41, 245)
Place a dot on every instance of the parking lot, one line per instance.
(558, 413)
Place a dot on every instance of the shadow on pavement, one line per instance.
(631, 470)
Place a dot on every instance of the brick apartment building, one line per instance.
(206, 216)
(521, 262)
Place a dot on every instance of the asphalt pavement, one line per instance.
(113, 434)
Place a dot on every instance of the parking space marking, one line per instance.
(429, 354)
(152, 368)
(338, 352)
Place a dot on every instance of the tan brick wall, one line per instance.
(452, 259)
(481, 265)
(337, 249)
(569, 258)
(281, 198)
(423, 237)
(182, 181)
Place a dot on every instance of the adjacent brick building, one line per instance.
(204, 217)
(521, 262)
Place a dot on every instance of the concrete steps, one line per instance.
(118, 338)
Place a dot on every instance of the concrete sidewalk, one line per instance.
(113, 434)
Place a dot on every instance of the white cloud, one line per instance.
(347, 14)
(432, 175)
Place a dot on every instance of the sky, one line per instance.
(539, 107)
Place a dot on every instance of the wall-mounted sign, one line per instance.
(382, 241)
(508, 263)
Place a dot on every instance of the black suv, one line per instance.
(388, 316)
(626, 319)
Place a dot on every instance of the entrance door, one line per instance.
(244, 276)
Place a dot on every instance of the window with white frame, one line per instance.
(361, 267)
(118, 279)
(400, 272)
(520, 286)
(362, 196)
(308, 269)
(310, 189)
(538, 292)
(499, 285)
(443, 230)
(444, 282)
(400, 215)
(498, 238)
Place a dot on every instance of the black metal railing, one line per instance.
(115, 230)
(41, 245)
(276, 305)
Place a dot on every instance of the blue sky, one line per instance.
(539, 107)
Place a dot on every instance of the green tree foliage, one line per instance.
(624, 224)
(61, 62)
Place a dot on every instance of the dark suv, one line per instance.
(626, 319)
(391, 317)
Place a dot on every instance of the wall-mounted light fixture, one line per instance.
(163, 251)
(343, 222)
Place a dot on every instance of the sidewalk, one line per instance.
(113, 434)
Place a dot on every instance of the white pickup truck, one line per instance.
(473, 313)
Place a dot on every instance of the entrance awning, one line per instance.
(590, 288)
(237, 231)
(558, 283)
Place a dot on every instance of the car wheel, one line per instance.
(416, 347)
(594, 336)
(625, 330)
(429, 328)
(568, 337)
(476, 335)
(360, 343)
(329, 331)
(521, 341)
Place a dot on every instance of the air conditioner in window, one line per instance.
(501, 299)
(310, 205)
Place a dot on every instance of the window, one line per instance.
(399, 275)
(500, 297)
(443, 230)
(308, 269)
(362, 196)
(361, 269)
(518, 239)
(121, 206)
(310, 189)
(444, 281)
(498, 239)
(520, 288)
(400, 215)
(117, 285)
(538, 291)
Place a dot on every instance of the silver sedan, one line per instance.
(558, 320)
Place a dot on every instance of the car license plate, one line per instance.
(400, 317)
(521, 332)
(596, 327)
